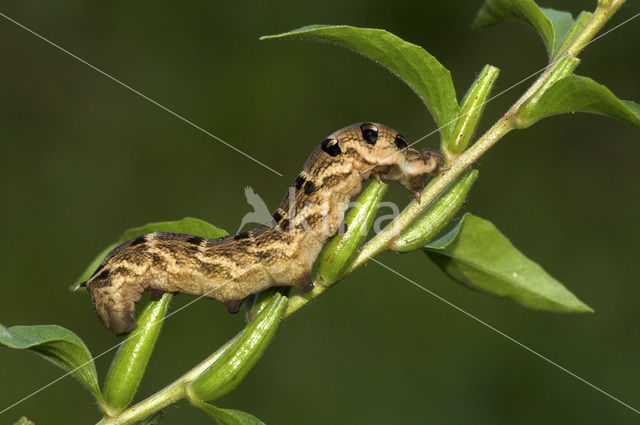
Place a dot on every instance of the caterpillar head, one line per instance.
(376, 150)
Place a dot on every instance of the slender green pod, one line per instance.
(564, 68)
(229, 370)
(425, 227)
(259, 301)
(580, 22)
(471, 110)
(342, 249)
(131, 360)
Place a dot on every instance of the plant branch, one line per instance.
(168, 395)
(176, 390)
(509, 121)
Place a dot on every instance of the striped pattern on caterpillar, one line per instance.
(279, 253)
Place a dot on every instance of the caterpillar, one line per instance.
(278, 253)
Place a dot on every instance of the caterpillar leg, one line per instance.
(305, 282)
(115, 304)
(233, 306)
(122, 322)
(156, 294)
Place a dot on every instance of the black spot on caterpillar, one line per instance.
(369, 133)
(400, 142)
(277, 216)
(241, 235)
(278, 253)
(104, 275)
(138, 240)
(331, 147)
(309, 187)
(284, 225)
(195, 240)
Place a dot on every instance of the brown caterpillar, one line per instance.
(280, 253)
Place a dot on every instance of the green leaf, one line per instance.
(229, 416)
(553, 26)
(575, 93)
(132, 358)
(412, 64)
(58, 345)
(24, 421)
(562, 23)
(188, 225)
(477, 255)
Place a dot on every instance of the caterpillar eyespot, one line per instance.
(331, 147)
(369, 133)
(278, 253)
(400, 142)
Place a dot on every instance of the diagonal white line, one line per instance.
(133, 335)
(139, 94)
(546, 359)
(453, 121)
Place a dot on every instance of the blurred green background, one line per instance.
(83, 159)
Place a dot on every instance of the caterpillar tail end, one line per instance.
(122, 322)
(114, 303)
(79, 285)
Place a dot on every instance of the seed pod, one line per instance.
(257, 302)
(579, 23)
(471, 110)
(564, 68)
(229, 370)
(131, 360)
(425, 227)
(343, 248)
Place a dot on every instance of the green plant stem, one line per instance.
(168, 395)
(175, 391)
(438, 185)
(604, 11)
(381, 241)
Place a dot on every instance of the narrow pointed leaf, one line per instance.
(553, 26)
(229, 416)
(477, 255)
(412, 64)
(575, 93)
(562, 23)
(188, 225)
(58, 345)
(130, 362)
